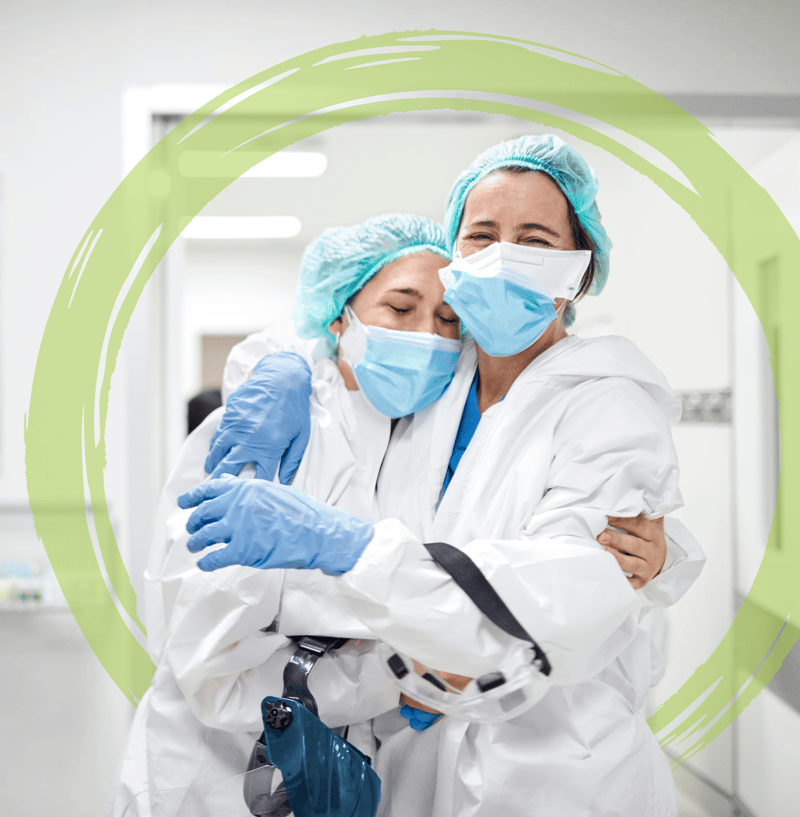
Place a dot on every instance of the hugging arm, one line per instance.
(564, 589)
(227, 644)
(570, 594)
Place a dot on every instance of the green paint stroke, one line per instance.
(433, 70)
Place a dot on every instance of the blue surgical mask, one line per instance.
(399, 372)
(505, 294)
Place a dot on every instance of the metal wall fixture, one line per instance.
(706, 406)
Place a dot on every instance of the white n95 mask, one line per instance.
(399, 372)
(505, 293)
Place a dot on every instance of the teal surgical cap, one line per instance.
(339, 262)
(564, 165)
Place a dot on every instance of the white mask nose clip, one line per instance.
(557, 272)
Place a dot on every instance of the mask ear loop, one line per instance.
(349, 315)
(344, 316)
(561, 309)
(337, 336)
(567, 301)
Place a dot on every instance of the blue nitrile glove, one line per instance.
(269, 525)
(417, 719)
(267, 418)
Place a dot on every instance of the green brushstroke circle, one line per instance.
(270, 111)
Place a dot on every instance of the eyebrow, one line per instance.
(408, 291)
(530, 226)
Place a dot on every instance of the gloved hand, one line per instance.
(417, 719)
(268, 525)
(267, 418)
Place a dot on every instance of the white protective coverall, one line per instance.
(225, 664)
(582, 434)
(214, 664)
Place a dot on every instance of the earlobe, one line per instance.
(339, 326)
(335, 328)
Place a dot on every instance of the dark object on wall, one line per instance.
(201, 405)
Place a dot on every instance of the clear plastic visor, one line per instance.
(496, 696)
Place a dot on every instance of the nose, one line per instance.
(429, 324)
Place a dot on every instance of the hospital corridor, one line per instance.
(724, 696)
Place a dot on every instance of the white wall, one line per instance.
(64, 68)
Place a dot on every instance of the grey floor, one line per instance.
(691, 803)
(64, 721)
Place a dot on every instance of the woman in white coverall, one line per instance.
(183, 735)
(570, 432)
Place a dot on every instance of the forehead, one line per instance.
(515, 197)
(415, 270)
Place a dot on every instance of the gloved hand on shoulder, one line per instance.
(267, 420)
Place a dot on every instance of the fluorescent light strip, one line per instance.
(289, 163)
(286, 164)
(222, 227)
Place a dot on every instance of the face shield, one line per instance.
(498, 695)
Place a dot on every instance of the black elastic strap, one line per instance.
(466, 574)
(319, 642)
(295, 674)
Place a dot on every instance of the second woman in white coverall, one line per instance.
(571, 432)
(220, 641)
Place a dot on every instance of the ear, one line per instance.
(336, 327)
